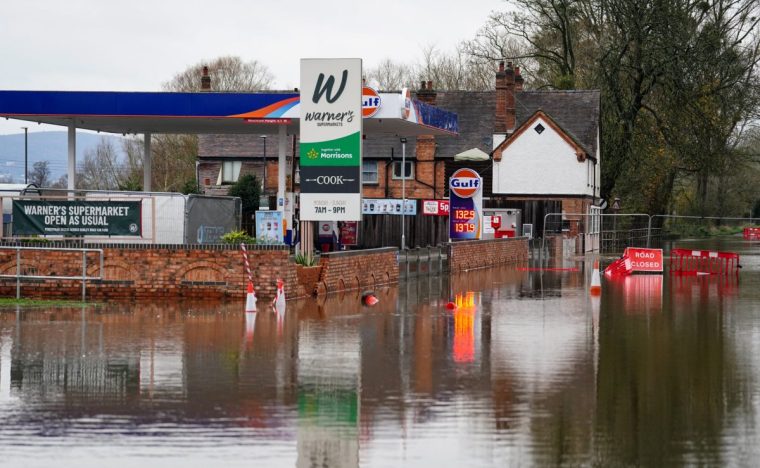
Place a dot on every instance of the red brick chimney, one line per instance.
(518, 80)
(205, 80)
(426, 93)
(510, 100)
(426, 167)
(500, 117)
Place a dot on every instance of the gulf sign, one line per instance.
(370, 102)
(465, 204)
(465, 183)
(645, 260)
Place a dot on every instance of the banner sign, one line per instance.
(349, 233)
(77, 217)
(645, 260)
(331, 139)
(389, 206)
(465, 204)
(435, 207)
(269, 226)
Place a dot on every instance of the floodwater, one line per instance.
(530, 370)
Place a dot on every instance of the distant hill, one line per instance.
(46, 146)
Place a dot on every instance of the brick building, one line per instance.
(551, 170)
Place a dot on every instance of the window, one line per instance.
(297, 177)
(408, 170)
(369, 172)
(230, 171)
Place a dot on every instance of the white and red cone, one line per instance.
(250, 299)
(279, 299)
(596, 280)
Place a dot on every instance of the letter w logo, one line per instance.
(323, 88)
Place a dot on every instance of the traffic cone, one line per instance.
(279, 299)
(596, 281)
(250, 299)
(250, 325)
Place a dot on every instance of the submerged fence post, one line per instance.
(84, 275)
(18, 273)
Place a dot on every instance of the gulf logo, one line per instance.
(465, 183)
(370, 102)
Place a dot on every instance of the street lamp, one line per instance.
(615, 210)
(264, 182)
(26, 155)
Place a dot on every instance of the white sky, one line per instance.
(137, 45)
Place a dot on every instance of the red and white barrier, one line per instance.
(703, 262)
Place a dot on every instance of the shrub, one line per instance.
(238, 237)
(305, 260)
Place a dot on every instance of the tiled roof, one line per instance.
(236, 146)
(575, 111)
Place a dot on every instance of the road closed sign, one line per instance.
(645, 260)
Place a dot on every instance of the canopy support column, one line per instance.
(72, 169)
(282, 141)
(147, 161)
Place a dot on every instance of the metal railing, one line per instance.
(635, 230)
(423, 261)
(83, 278)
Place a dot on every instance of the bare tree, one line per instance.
(61, 183)
(40, 174)
(390, 75)
(103, 168)
(228, 73)
(455, 69)
(100, 169)
(174, 156)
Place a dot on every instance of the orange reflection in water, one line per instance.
(463, 348)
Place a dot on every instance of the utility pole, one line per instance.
(403, 193)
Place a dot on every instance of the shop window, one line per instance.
(369, 172)
(408, 172)
(297, 176)
(231, 171)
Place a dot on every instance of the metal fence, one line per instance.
(166, 217)
(19, 275)
(423, 261)
(618, 231)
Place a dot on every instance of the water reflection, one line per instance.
(527, 370)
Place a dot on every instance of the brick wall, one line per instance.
(470, 255)
(358, 269)
(152, 271)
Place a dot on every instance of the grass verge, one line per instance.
(12, 301)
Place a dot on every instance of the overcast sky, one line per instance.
(137, 45)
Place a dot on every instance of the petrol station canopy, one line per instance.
(147, 113)
(207, 112)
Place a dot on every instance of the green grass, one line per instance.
(692, 230)
(12, 301)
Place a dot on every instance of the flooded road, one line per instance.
(529, 370)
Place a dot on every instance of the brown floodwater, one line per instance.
(528, 371)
